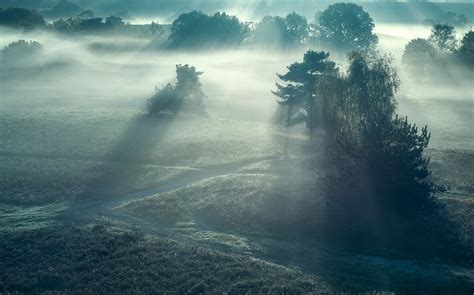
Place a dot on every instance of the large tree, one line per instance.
(346, 26)
(466, 50)
(382, 170)
(196, 29)
(419, 57)
(365, 92)
(443, 38)
(290, 31)
(299, 92)
(21, 18)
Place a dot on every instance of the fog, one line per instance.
(78, 149)
(124, 72)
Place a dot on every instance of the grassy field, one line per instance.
(97, 197)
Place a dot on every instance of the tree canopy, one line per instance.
(466, 50)
(21, 51)
(379, 155)
(419, 56)
(443, 38)
(289, 31)
(21, 18)
(196, 29)
(185, 95)
(299, 93)
(346, 26)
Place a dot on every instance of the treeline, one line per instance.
(341, 26)
(423, 57)
(84, 23)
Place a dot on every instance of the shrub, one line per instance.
(185, 95)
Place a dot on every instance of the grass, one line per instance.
(104, 259)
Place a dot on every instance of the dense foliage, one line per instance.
(443, 38)
(89, 24)
(196, 29)
(423, 57)
(290, 31)
(346, 26)
(21, 18)
(419, 57)
(185, 95)
(299, 93)
(382, 174)
(21, 53)
(466, 50)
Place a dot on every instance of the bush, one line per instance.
(186, 95)
(21, 52)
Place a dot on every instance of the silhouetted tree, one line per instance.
(271, 31)
(185, 95)
(443, 38)
(290, 31)
(21, 18)
(196, 29)
(372, 82)
(346, 26)
(366, 91)
(382, 171)
(297, 27)
(21, 52)
(388, 168)
(299, 93)
(466, 50)
(114, 22)
(419, 57)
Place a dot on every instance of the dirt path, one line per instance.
(86, 209)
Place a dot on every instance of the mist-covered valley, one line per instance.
(138, 160)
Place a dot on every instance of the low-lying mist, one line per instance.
(123, 72)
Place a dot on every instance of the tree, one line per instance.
(185, 95)
(114, 22)
(299, 93)
(21, 52)
(92, 24)
(196, 29)
(271, 31)
(381, 168)
(290, 31)
(388, 168)
(21, 18)
(419, 56)
(443, 38)
(346, 26)
(365, 92)
(466, 50)
(372, 82)
(297, 27)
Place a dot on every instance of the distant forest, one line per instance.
(381, 11)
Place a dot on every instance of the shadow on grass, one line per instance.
(133, 148)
